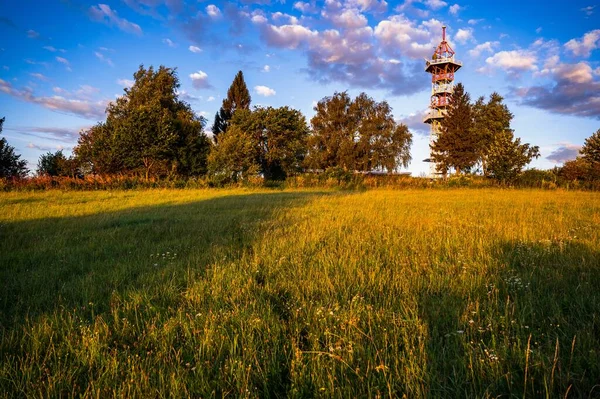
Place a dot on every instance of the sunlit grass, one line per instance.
(423, 293)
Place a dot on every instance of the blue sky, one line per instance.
(62, 61)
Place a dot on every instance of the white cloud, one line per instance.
(64, 61)
(211, 98)
(350, 19)
(590, 41)
(539, 30)
(103, 13)
(435, 4)
(40, 76)
(515, 60)
(475, 21)
(200, 80)
(305, 7)
(32, 34)
(103, 58)
(288, 36)
(213, 11)
(54, 49)
(125, 82)
(399, 36)
(86, 109)
(454, 9)
(195, 49)
(258, 19)
(589, 10)
(463, 35)
(266, 68)
(487, 47)
(264, 91)
(169, 42)
(376, 6)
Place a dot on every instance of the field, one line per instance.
(256, 293)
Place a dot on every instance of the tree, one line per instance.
(11, 164)
(57, 164)
(456, 146)
(238, 97)
(279, 137)
(148, 130)
(507, 156)
(489, 120)
(52, 164)
(234, 157)
(358, 135)
(591, 148)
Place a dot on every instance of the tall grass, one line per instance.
(300, 293)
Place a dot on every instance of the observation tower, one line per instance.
(442, 67)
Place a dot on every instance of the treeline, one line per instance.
(150, 135)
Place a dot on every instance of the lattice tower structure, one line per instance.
(442, 66)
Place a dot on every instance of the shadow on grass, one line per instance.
(82, 262)
(532, 331)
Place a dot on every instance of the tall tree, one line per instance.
(11, 164)
(51, 164)
(238, 97)
(507, 156)
(233, 159)
(591, 148)
(489, 120)
(279, 137)
(148, 129)
(358, 134)
(456, 146)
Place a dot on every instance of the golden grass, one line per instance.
(301, 293)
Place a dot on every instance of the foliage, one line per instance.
(506, 156)
(456, 147)
(300, 293)
(591, 148)
(238, 98)
(357, 135)
(149, 130)
(279, 137)
(233, 159)
(53, 164)
(11, 164)
(490, 120)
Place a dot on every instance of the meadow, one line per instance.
(422, 293)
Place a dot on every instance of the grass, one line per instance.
(250, 293)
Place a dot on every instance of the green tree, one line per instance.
(233, 159)
(148, 129)
(456, 146)
(238, 97)
(489, 120)
(507, 156)
(52, 164)
(279, 137)
(11, 164)
(357, 135)
(591, 148)
(57, 164)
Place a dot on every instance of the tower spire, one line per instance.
(442, 67)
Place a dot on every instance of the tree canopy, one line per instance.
(273, 140)
(11, 164)
(359, 134)
(591, 148)
(456, 147)
(148, 129)
(238, 98)
(480, 133)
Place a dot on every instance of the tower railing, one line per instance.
(443, 60)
